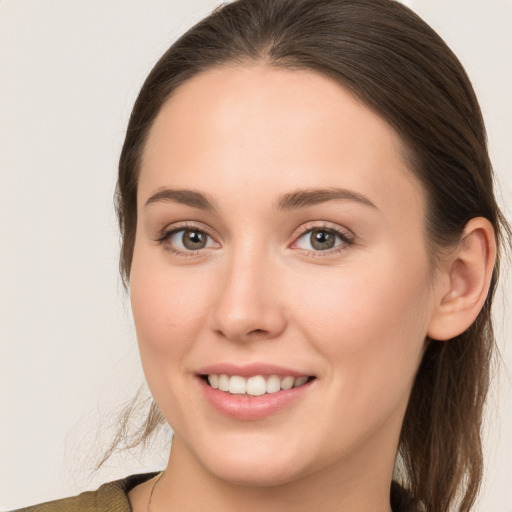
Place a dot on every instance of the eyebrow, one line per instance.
(183, 196)
(286, 202)
(310, 197)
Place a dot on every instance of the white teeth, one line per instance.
(273, 384)
(237, 385)
(223, 382)
(254, 386)
(214, 381)
(287, 383)
(299, 382)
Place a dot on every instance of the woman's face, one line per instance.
(280, 235)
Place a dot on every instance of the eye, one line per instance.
(322, 239)
(187, 240)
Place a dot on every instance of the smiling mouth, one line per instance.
(254, 386)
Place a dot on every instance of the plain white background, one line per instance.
(70, 71)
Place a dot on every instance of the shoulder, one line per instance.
(110, 497)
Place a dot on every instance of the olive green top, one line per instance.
(110, 497)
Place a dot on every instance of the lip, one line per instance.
(251, 408)
(249, 370)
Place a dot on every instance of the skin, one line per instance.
(355, 318)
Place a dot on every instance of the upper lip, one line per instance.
(249, 370)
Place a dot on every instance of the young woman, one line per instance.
(311, 244)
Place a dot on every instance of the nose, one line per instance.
(248, 305)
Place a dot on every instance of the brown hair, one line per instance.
(398, 66)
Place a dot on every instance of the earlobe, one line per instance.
(466, 277)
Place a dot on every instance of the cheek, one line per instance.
(364, 305)
(168, 309)
(370, 324)
(169, 312)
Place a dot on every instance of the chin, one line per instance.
(256, 475)
(260, 466)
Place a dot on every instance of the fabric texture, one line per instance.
(112, 497)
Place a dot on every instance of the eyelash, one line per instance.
(346, 239)
(168, 233)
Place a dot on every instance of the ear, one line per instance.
(463, 282)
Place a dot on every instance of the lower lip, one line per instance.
(246, 407)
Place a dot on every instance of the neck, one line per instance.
(339, 487)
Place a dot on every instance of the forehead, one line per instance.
(273, 129)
